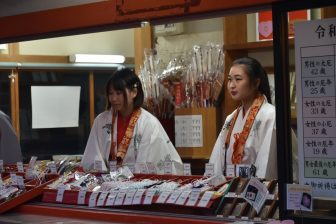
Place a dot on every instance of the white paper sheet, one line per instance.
(315, 43)
(55, 106)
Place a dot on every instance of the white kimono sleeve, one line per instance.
(266, 161)
(218, 152)
(93, 149)
(217, 157)
(156, 147)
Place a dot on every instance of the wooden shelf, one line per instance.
(259, 45)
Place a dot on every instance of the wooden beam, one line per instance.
(44, 59)
(112, 14)
(34, 58)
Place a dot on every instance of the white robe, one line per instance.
(149, 143)
(10, 150)
(260, 146)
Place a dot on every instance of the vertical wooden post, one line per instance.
(91, 98)
(15, 106)
(13, 51)
(142, 40)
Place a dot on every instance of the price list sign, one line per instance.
(315, 51)
(188, 131)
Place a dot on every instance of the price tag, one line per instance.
(209, 169)
(129, 196)
(138, 196)
(205, 199)
(29, 174)
(93, 199)
(111, 198)
(163, 197)
(101, 199)
(98, 165)
(149, 196)
(1, 166)
(244, 218)
(60, 193)
(151, 168)
(20, 167)
(168, 168)
(270, 196)
(120, 197)
(183, 197)
(257, 219)
(113, 166)
(81, 197)
(32, 162)
(52, 168)
(194, 195)
(20, 181)
(13, 177)
(173, 197)
(141, 167)
(230, 170)
(232, 217)
(230, 195)
(186, 169)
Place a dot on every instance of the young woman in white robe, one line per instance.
(249, 133)
(127, 133)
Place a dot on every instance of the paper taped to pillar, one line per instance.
(55, 106)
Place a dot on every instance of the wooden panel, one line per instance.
(109, 15)
(211, 126)
(114, 216)
(235, 29)
(142, 40)
(328, 12)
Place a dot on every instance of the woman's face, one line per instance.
(117, 100)
(239, 84)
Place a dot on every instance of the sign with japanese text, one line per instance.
(315, 51)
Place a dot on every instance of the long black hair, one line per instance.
(255, 71)
(122, 79)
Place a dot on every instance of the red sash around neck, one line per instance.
(126, 140)
(240, 140)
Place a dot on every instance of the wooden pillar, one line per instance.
(14, 95)
(142, 40)
(91, 98)
(13, 51)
